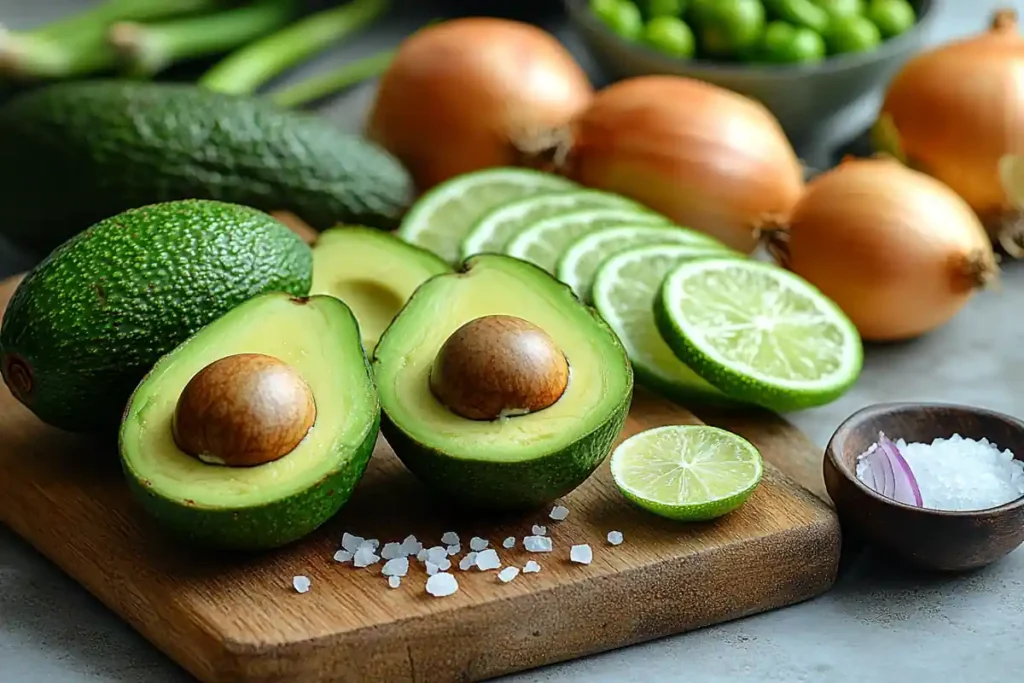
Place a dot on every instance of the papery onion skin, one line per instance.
(955, 110)
(897, 250)
(707, 158)
(465, 94)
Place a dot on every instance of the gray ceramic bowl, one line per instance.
(803, 97)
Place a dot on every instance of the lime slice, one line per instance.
(690, 473)
(625, 288)
(580, 262)
(544, 242)
(493, 231)
(443, 216)
(759, 333)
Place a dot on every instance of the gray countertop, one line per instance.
(878, 624)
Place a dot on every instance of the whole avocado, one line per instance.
(78, 152)
(88, 322)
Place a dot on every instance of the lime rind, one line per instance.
(624, 292)
(580, 262)
(442, 217)
(759, 333)
(499, 225)
(544, 242)
(689, 473)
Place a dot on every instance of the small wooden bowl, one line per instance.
(927, 539)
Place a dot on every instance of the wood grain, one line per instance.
(236, 617)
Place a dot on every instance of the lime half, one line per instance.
(624, 291)
(759, 333)
(580, 262)
(544, 242)
(690, 473)
(443, 216)
(493, 231)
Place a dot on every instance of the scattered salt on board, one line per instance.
(391, 551)
(487, 560)
(507, 574)
(343, 556)
(436, 554)
(351, 543)
(559, 512)
(476, 543)
(442, 585)
(410, 546)
(539, 530)
(394, 581)
(432, 568)
(581, 554)
(537, 544)
(365, 557)
(531, 567)
(445, 564)
(301, 584)
(509, 542)
(450, 538)
(957, 474)
(398, 566)
(454, 549)
(468, 561)
(615, 537)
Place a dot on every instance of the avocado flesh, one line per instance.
(281, 501)
(374, 272)
(515, 462)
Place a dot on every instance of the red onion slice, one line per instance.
(905, 488)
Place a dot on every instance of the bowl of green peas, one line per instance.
(805, 60)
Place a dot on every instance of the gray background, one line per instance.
(878, 624)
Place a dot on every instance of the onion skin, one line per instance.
(897, 250)
(707, 158)
(469, 94)
(954, 111)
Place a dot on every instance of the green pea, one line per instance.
(665, 8)
(841, 8)
(729, 28)
(621, 16)
(892, 17)
(799, 13)
(670, 35)
(787, 44)
(854, 33)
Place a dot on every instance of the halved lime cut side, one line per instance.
(495, 228)
(624, 291)
(690, 473)
(442, 217)
(544, 242)
(579, 264)
(759, 333)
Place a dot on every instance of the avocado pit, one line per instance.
(243, 410)
(498, 366)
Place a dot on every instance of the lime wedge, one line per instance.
(442, 217)
(544, 242)
(759, 333)
(580, 262)
(625, 288)
(493, 231)
(690, 473)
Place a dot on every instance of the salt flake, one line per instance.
(539, 530)
(476, 543)
(559, 512)
(468, 561)
(351, 543)
(450, 538)
(343, 556)
(531, 567)
(442, 585)
(301, 584)
(391, 551)
(509, 542)
(432, 568)
(436, 554)
(537, 544)
(397, 566)
(365, 557)
(454, 549)
(507, 574)
(615, 537)
(581, 554)
(487, 560)
(394, 581)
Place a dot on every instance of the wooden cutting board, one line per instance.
(236, 617)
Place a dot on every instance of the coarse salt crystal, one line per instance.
(343, 556)
(960, 474)
(467, 561)
(581, 554)
(454, 549)
(436, 554)
(487, 560)
(537, 544)
(365, 557)
(394, 581)
(615, 537)
(422, 555)
(351, 543)
(476, 543)
(432, 568)
(507, 574)
(410, 546)
(509, 542)
(391, 551)
(559, 512)
(450, 538)
(397, 566)
(539, 530)
(442, 585)
(445, 564)
(301, 584)
(371, 543)
(531, 567)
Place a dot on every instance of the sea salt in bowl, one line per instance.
(934, 539)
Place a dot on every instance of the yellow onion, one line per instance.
(900, 252)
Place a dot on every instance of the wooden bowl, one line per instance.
(927, 539)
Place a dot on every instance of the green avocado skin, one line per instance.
(509, 486)
(94, 316)
(75, 153)
(273, 525)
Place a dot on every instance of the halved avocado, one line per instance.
(515, 461)
(374, 272)
(275, 503)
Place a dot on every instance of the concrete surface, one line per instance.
(878, 624)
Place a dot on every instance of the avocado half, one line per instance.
(517, 462)
(273, 504)
(373, 272)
